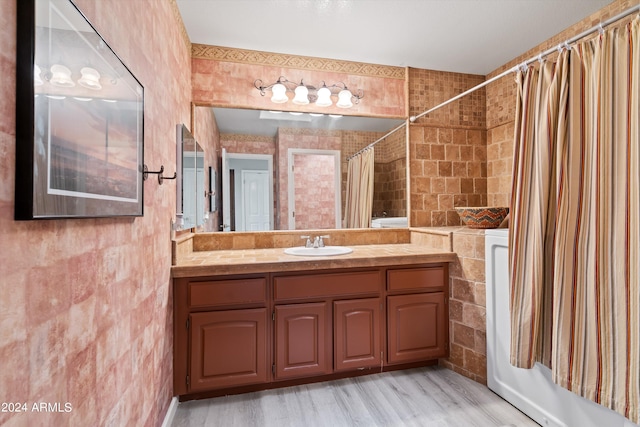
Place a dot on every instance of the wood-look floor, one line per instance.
(431, 396)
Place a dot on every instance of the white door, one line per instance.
(255, 194)
(226, 198)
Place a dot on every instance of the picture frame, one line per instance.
(79, 119)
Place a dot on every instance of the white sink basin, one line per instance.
(324, 251)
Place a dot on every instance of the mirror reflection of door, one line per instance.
(314, 189)
(248, 197)
(226, 193)
(255, 200)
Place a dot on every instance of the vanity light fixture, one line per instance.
(305, 94)
(61, 76)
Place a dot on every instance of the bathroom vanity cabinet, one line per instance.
(237, 333)
(221, 332)
(309, 340)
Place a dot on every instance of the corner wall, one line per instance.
(85, 305)
(447, 148)
(467, 303)
(501, 101)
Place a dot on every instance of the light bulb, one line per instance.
(344, 99)
(324, 97)
(90, 78)
(61, 76)
(301, 97)
(279, 93)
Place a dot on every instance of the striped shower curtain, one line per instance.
(575, 225)
(359, 195)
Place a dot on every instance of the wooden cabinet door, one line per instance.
(228, 348)
(417, 327)
(356, 328)
(302, 340)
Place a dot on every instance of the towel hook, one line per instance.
(146, 172)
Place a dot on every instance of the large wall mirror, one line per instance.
(285, 171)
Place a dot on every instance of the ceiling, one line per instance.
(465, 36)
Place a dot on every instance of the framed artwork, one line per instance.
(79, 119)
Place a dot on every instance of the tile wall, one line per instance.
(390, 181)
(501, 98)
(205, 130)
(289, 138)
(467, 302)
(390, 189)
(390, 157)
(447, 148)
(247, 144)
(467, 293)
(390, 169)
(286, 239)
(86, 312)
(224, 77)
(467, 306)
(315, 193)
(85, 304)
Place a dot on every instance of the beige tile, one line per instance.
(473, 269)
(464, 245)
(452, 151)
(463, 335)
(474, 316)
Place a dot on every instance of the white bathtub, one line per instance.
(390, 222)
(530, 390)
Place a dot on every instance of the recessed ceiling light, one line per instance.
(292, 116)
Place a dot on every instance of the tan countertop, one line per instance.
(244, 261)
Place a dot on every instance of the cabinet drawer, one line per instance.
(428, 279)
(326, 285)
(227, 292)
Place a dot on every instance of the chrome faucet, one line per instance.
(320, 241)
(308, 243)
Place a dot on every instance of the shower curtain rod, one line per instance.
(362, 150)
(538, 57)
(513, 69)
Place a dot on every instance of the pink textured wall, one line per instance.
(315, 194)
(224, 83)
(85, 311)
(205, 130)
(289, 138)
